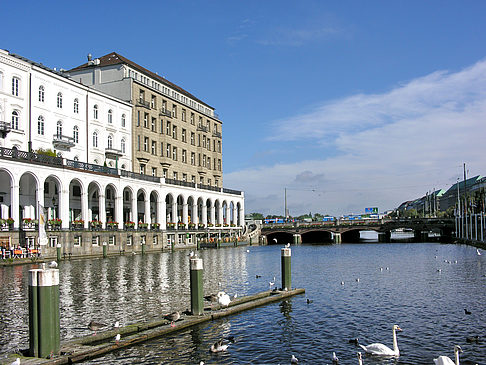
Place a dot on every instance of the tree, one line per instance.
(47, 152)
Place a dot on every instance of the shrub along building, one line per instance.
(134, 160)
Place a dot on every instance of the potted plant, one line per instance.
(10, 222)
(129, 225)
(95, 225)
(54, 223)
(154, 226)
(233, 225)
(170, 225)
(210, 225)
(112, 225)
(192, 225)
(218, 224)
(200, 225)
(142, 225)
(181, 225)
(225, 225)
(77, 224)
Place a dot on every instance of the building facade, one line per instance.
(175, 135)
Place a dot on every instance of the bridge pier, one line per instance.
(420, 236)
(297, 239)
(384, 237)
(337, 238)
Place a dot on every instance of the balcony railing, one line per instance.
(60, 141)
(143, 103)
(180, 182)
(208, 187)
(216, 134)
(134, 175)
(91, 167)
(202, 128)
(165, 112)
(231, 191)
(113, 152)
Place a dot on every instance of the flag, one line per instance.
(42, 226)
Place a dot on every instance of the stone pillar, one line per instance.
(297, 239)
(102, 209)
(134, 211)
(185, 213)
(194, 215)
(147, 209)
(204, 213)
(212, 211)
(337, 238)
(119, 211)
(64, 208)
(174, 213)
(235, 215)
(14, 204)
(161, 218)
(84, 209)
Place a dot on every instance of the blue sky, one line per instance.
(347, 104)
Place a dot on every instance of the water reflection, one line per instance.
(427, 304)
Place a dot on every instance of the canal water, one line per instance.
(399, 283)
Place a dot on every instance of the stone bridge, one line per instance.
(349, 231)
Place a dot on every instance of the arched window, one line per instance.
(41, 93)
(15, 86)
(59, 128)
(95, 112)
(15, 120)
(110, 141)
(110, 116)
(123, 120)
(59, 100)
(76, 134)
(40, 125)
(95, 139)
(76, 106)
(122, 145)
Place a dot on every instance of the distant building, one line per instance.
(449, 198)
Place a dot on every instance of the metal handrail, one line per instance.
(91, 167)
(134, 175)
(180, 182)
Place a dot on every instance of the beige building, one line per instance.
(175, 135)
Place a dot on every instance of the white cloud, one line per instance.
(390, 147)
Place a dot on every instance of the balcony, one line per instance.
(113, 153)
(145, 104)
(216, 134)
(202, 128)
(4, 129)
(165, 112)
(62, 142)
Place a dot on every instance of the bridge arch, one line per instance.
(280, 238)
(317, 237)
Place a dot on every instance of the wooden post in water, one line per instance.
(105, 250)
(286, 272)
(58, 250)
(143, 248)
(196, 277)
(44, 320)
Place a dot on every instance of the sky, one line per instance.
(342, 104)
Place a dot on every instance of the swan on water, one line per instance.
(360, 359)
(382, 350)
(218, 346)
(223, 299)
(335, 359)
(294, 360)
(478, 252)
(445, 360)
(117, 338)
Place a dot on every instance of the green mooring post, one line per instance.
(196, 277)
(58, 250)
(143, 248)
(105, 250)
(197, 242)
(44, 320)
(286, 273)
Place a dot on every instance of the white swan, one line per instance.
(445, 360)
(360, 359)
(223, 299)
(382, 350)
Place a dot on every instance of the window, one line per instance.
(15, 86)
(110, 116)
(183, 116)
(138, 118)
(168, 149)
(145, 120)
(219, 164)
(183, 135)
(174, 153)
(59, 128)
(174, 132)
(53, 241)
(129, 240)
(59, 100)
(40, 125)
(138, 143)
(192, 118)
(193, 159)
(154, 147)
(162, 148)
(112, 240)
(154, 171)
(175, 175)
(219, 146)
(167, 129)
(153, 102)
(161, 126)
(164, 173)
(142, 96)
(123, 120)
(164, 105)
(145, 144)
(95, 139)
(77, 240)
(193, 138)
(174, 111)
(208, 144)
(184, 156)
(155, 239)
(76, 106)
(193, 179)
(184, 177)
(95, 112)
(142, 169)
(122, 145)
(110, 142)
(154, 128)
(95, 240)
(41, 93)
(76, 134)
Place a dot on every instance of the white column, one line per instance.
(220, 214)
(40, 200)
(235, 215)
(185, 218)
(241, 222)
(147, 210)
(134, 211)
(84, 208)
(119, 210)
(204, 215)
(64, 208)
(14, 204)
(228, 214)
(161, 218)
(175, 218)
(194, 216)
(102, 210)
(212, 212)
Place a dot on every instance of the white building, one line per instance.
(42, 109)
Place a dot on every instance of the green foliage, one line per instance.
(47, 152)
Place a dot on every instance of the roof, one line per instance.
(469, 182)
(114, 58)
